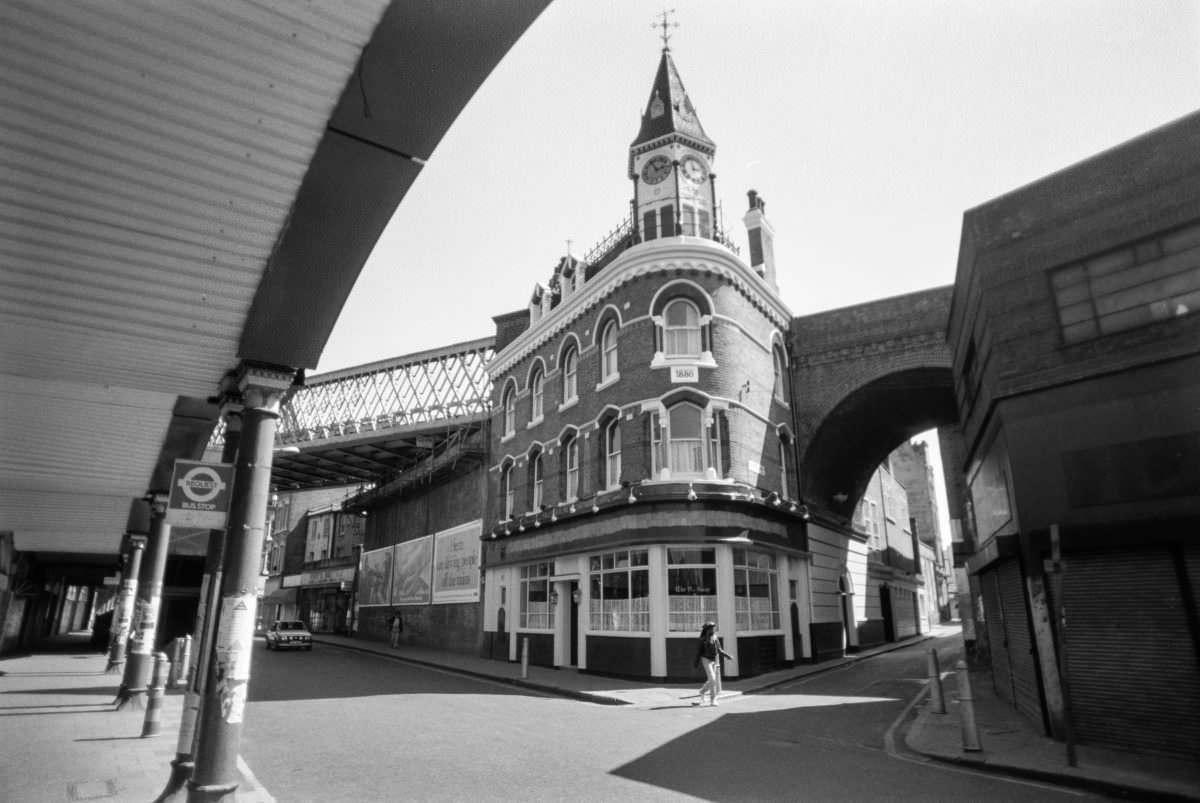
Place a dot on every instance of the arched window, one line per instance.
(612, 454)
(608, 351)
(780, 375)
(535, 481)
(506, 491)
(570, 369)
(510, 410)
(570, 452)
(536, 389)
(685, 451)
(684, 444)
(681, 329)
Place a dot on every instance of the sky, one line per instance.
(868, 127)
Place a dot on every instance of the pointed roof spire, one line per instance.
(670, 110)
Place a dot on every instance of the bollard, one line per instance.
(525, 657)
(937, 699)
(154, 696)
(970, 731)
(184, 671)
(176, 663)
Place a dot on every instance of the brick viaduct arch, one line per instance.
(864, 379)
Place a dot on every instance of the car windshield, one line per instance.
(290, 625)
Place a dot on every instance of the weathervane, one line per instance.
(666, 26)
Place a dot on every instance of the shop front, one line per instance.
(636, 611)
(324, 599)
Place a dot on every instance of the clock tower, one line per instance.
(670, 163)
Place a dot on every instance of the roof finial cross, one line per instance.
(666, 25)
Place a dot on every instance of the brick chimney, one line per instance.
(762, 239)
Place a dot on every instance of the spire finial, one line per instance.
(666, 25)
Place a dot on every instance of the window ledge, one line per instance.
(534, 422)
(702, 360)
(612, 380)
(508, 437)
(568, 404)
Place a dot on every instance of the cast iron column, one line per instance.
(123, 612)
(206, 616)
(145, 616)
(215, 777)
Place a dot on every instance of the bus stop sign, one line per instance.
(200, 494)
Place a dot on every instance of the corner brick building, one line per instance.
(642, 468)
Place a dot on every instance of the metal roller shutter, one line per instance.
(1133, 676)
(997, 643)
(1027, 696)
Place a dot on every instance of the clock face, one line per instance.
(656, 169)
(693, 170)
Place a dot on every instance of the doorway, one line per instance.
(573, 629)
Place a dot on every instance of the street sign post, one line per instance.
(200, 494)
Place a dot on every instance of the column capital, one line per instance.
(264, 387)
(158, 503)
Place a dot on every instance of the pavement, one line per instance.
(64, 741)
(62, 738)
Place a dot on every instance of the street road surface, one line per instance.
(340, 725)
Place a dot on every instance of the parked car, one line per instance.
(288, 634)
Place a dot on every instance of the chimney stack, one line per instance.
(762, 239)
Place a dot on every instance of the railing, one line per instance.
(412, 390)
(424, 388)
(623, 237)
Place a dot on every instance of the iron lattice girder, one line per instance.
(425, 388)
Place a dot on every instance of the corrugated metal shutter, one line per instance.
(997, 643)
(1133, 676)
(904, 607)
(1027, 695)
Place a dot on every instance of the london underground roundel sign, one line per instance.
(200, 494)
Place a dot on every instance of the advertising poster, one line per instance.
(456, 563)
(411, 569)
(375, 582)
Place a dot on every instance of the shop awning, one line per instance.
(281, 596)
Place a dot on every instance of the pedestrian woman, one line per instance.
(708, 656)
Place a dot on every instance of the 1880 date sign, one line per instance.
(200, 494)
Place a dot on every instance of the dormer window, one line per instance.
(681, 329)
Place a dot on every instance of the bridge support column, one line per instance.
(134, 684)
(215, 776)
(203, 633)
(123, 612)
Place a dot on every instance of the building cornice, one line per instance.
(667, 257)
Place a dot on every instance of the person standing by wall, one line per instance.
(708, 656)
(397, 626)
